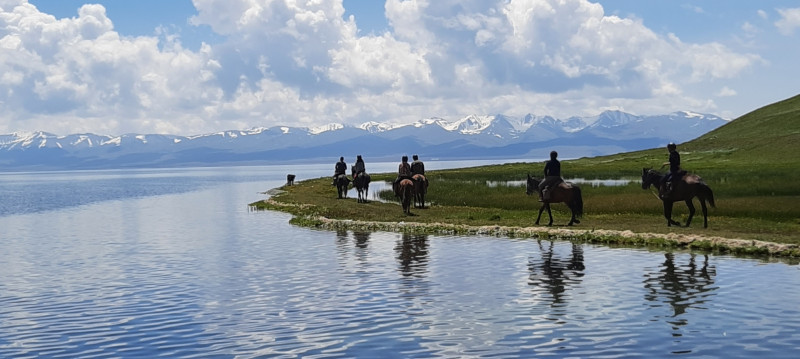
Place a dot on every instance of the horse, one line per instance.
(406, 191)
(684, 189)
(421, 189)
(361, 182)
(566, 192)
(342, 182)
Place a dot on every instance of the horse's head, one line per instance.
(649, 177)
(532, 185)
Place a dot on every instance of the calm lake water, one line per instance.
(172, 263)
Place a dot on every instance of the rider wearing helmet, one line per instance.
(674, 164)
(552, 176)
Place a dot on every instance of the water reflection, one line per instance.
(681, 287)
(551, 275)
(412, 254)
(358, 248)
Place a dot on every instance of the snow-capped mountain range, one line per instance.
(471, 137)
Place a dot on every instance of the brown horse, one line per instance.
(421, 189)
(405, 190)
(568, 193)
(684, 189)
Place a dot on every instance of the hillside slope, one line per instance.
(762, 143)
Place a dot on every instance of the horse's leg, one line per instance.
(572, 219)
(705, 212)
(540, 214)
(668, 214)
(691, 211)
(549, 214)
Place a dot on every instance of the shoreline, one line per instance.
(746, 247)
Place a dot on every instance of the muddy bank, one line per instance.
(661, 240)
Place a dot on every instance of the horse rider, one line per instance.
(358, 168)
(552, 176)
(403, 172)
(417, 167)
(341, 168)
(674, 164)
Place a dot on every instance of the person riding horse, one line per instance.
(358, 168)
(674, 164)
(552, 176)
(341, 168)
(403, 172)
(417, 167)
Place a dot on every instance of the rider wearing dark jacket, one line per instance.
(417, 167)
(674, 164)
(552, 176)
(341, 168)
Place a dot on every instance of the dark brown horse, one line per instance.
(568, 193)
(361, 182)
(684, 189)
(342, 183)
(405, 190)
(420, 190)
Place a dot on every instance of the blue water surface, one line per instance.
(173, 263)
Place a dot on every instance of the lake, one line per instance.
(172, 263)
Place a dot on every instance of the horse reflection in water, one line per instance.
(360, 242)
(682, 287)
(412, 253)
(552, 275)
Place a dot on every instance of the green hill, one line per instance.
(768, 136)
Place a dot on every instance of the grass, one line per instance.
(750, 163)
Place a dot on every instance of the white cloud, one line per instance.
(289, 62)
(726, 92)
(789, 21)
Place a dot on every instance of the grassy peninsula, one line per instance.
(751, 163)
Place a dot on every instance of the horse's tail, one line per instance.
(576, 204)
(708, 194)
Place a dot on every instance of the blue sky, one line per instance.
(189, 67)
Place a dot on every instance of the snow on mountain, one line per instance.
(326, 128)
(468, 137)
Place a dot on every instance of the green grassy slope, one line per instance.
(751, 163)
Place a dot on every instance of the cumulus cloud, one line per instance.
(289, 62)
(789, 21)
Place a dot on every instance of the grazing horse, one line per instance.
(361, 182)
(406, 191)
(421, 189)
(683, 189)
(566, 192)
(342, 182)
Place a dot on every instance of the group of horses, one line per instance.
(685, 189)
(407, 189)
